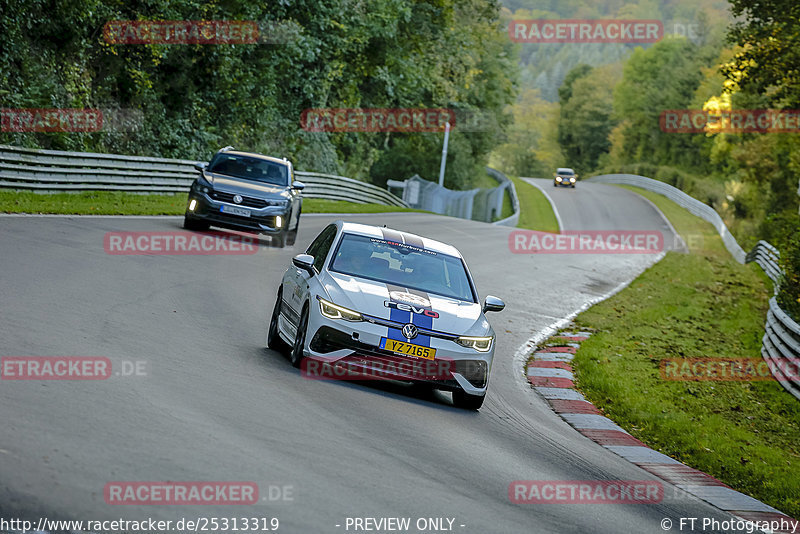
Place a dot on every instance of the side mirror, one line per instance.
(304, 262)
(298, 185)
(200, 166)
(576, 176)
(493, 304)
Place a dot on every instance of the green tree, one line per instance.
(587, 109)
(768, 32)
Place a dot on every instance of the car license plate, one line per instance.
(409, 349)
(233, 210)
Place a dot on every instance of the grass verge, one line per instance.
(697, 305)
(120, 203)
(535, 213)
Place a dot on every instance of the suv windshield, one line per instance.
(250, 168)
(403, 265)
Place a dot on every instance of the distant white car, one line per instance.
(564, 176)
(370, 299)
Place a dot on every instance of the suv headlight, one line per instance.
(481, 344)
(332, 311)
(199, 188)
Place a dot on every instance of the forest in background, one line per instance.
(188, 100)
(742, 55)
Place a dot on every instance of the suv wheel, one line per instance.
(190, 223)
(274, 340)
(291, 236)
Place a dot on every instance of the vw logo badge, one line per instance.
(410, 331)
(237, 199)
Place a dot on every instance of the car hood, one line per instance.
(370, 297)
(243, 186)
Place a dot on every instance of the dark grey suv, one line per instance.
(248, 192)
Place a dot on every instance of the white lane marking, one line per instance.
(590, 421)
(550, 372)
(550, 200)
(554, 356)
(559, 393)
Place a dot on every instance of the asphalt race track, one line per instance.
(211, 403)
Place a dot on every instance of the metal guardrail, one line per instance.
(780, 346)
(476, 204)
(694, 206)
(511, 220)
(55, 170)
(767, 257)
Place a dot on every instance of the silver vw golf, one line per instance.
(368, 302)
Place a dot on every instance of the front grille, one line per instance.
(250, 202)
(328, 339)
(239, 221)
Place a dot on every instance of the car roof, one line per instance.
(565, 169)
(382, 232)
(259, 156)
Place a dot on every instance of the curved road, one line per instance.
(214, 404)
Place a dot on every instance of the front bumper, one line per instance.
(262, 220)
(356, 346)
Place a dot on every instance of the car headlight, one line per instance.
(558, 178)
(481, 344)
(572, 180)
(332, 311)
(197, 188)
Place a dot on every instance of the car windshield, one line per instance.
(250, 168)
(568, 172)
(403, 265)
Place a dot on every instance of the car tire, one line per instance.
(274, 340)
(190, 223)
(291, 237)
(278, 240)
(467, 401)
(296, 354)
(573, 186)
